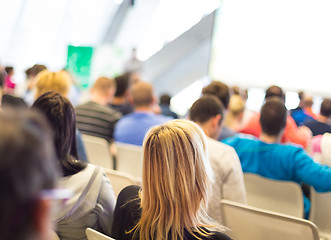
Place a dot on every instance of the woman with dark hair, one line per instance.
(93, 202)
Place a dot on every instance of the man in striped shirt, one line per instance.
(95, 117)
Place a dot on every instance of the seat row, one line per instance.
(276, 196)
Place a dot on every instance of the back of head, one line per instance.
(165, 99)
(122, 84)
(219, 90)
(301, 95)
(9, 69)
(205, 108)
(176, 177)
(275, 91)
(27, 167)
(10, 101)
(308, 100)
(35, 69)
(273, 116)
(52, 81)
(103, 85)
(236, 105)
(142, 94)
(62, 118)
(326, 108)
(235, 110)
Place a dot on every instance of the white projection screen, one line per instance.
(285, 42)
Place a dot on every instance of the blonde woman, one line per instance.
(234, 117)
(52, 81)
(176, 180)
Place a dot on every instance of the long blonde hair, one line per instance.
(176, 179)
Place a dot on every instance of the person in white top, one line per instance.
(207, 112)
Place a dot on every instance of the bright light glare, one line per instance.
(171, 19)
(183, 101)
(283, 42)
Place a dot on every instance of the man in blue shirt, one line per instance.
(132, 128)
(268, 158)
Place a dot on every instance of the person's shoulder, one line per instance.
(290, 149)
(240, 138)
(222, 147)
(163, 118)
(127, 119)
(82, 105)
(129, 193)
(212, 235)
(106, 109)
(219, 236)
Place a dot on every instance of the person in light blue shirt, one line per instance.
(268, 158)
(132, 128)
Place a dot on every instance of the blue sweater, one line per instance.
(132, 128)
(281, 162)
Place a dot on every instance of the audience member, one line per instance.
(165, 106)
(31, 77)
(10, 101)
(27, 174)
(31, 74)
(93, 201)
(300, 136)
(52, 81)
(176, 180)
(207, 112)
(268, 158)
(299, 114)
(9, 84)
(221, 91)
(120, 102)
(308, 99)
(320, 125)
(132, 128)
(234, 117)
(59, 82)
(95, 117)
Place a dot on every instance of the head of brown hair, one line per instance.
(142, 94)
(103, 84)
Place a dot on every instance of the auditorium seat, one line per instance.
(92, 234)
(280, 196)
(250, 223)
(320, 212)
(129, 159)
(120, 180)
(97, 150)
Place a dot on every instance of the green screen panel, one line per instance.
(79, 62)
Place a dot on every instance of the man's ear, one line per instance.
(217, 120)
(43, 218)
